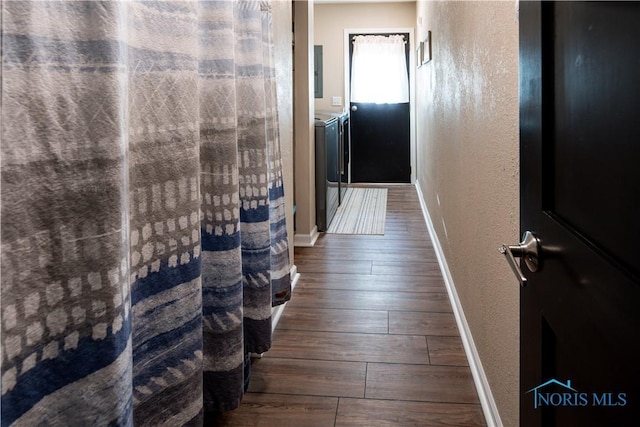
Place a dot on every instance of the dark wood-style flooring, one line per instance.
(368, 339)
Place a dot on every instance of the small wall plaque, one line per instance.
(426, 49)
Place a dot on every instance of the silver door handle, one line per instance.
(354, 108)
(529, 250)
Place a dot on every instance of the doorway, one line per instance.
(382, 133)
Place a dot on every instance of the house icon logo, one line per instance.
(556, 393)
(552, 381)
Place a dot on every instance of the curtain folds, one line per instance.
(143, 227)
(379, 70)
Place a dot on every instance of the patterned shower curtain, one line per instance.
(143, 227)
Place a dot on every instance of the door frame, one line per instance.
(412, 84)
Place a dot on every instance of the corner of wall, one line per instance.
(303, 119)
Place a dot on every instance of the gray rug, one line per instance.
(363, 211)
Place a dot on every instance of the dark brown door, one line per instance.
(380, 138)
(580, 195)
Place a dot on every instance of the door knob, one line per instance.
(528, 250)
(354, 108)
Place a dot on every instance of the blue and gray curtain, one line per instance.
(143, 222)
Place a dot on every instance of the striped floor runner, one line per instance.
(363, 211)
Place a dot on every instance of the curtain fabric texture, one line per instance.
(143, 224)
(379, 70)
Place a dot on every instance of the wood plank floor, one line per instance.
(368, 338)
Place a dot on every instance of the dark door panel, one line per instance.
(379, 143)
(580, 195)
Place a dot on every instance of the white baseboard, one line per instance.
(306, 240)
(487, 402)
(276, 312)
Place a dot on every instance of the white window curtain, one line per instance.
(379, 70)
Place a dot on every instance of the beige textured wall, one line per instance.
(282, 38)
(467, 118)
(304, 166)
(330, 20)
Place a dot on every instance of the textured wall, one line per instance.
(330, 22)
(282, 38)
(303, 150)
(467, 118)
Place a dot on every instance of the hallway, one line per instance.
(368, 339)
